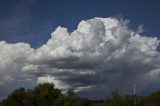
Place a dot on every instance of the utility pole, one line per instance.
(134, 94)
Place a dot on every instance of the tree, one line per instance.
(61, 101)
(72, 97)
(152, 100)
(17, 98)
(115, 99)
(45, 94)
(41, 95)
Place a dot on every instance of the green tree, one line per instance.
(72, 97)
(152, 100)
(61, 101)
(115, 99)
(41, 95)
(45, 94)
(17, 98)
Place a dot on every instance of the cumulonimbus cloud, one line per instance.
(100, 55)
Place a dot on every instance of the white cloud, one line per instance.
(101, 52)
(51, 79)
(12, 58)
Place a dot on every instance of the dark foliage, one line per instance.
(47, 95)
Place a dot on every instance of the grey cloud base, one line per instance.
(101, 55)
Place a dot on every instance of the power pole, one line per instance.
(134, 94)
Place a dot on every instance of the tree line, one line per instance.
(47, 95)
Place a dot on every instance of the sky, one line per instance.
(94, 46)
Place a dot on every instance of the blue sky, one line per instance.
(100, 55)
(32, 21)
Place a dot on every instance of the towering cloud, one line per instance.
(100, 55)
